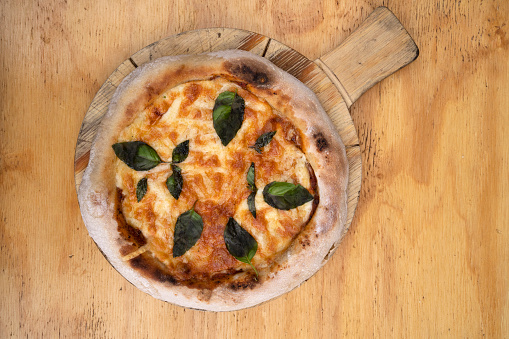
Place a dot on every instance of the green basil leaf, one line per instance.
(285, 195)
(180, 152)
(175, 182)
(262, 141)
(251, 203)
(251, 177)
(137, 155)
(187, 232)
(141, 189)
(146, 158)
(240, 243)
(228, 115)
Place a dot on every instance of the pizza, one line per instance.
(215, 181)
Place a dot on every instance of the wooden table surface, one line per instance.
(427, 254)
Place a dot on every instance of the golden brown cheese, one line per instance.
(214, 178)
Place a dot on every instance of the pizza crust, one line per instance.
(321, 144)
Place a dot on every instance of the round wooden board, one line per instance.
(216, 39)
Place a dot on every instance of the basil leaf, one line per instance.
(141, 189)
(137, 155)
(175, 182)
(187, 232)
(251, 203)
(251, 177)
(285, 195)
(262, 141)
(228, 115)
(146, 158)
(240, 243)
(180, 152)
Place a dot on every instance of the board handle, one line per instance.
(377, 48)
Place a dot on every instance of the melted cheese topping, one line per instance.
(214, 177)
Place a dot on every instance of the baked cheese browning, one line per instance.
(129, 233)
(214, 177)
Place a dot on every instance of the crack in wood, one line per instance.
(266, 48)
(132, 62)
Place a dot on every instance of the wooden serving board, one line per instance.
(378, 48)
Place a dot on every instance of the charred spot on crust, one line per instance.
(250, 282)
(321, 142)
(252, 72)
(305, 242)
(259, 78)
(152, 268)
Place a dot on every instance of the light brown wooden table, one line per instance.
(427, 254)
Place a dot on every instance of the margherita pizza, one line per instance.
(216, 181)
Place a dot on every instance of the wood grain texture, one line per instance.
(376, 49)
(427, 254)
